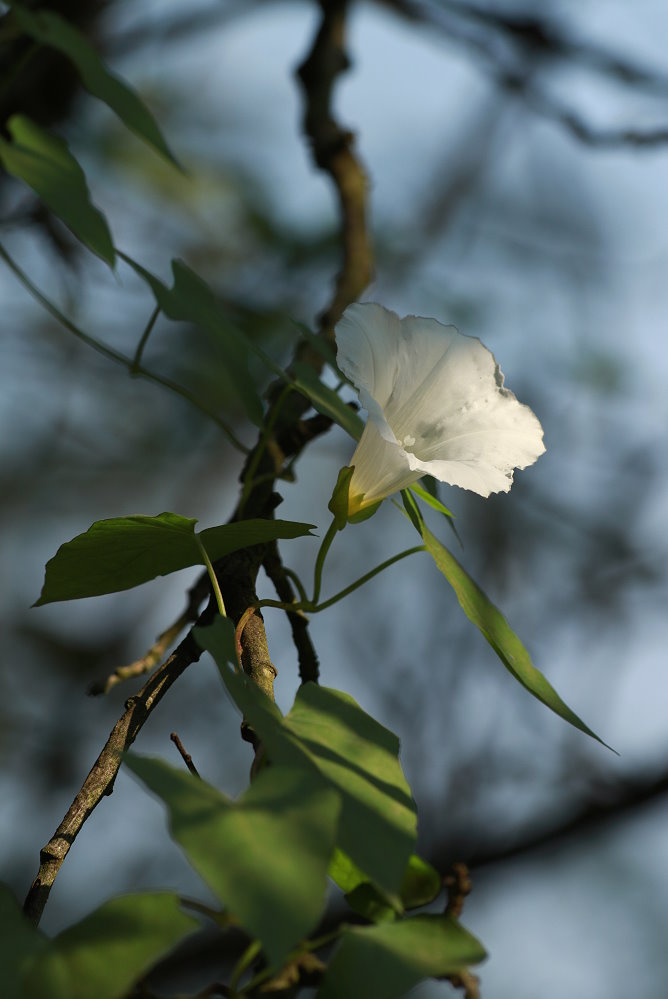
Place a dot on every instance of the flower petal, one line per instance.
(437, 405)
(381, 468)
(368, 340)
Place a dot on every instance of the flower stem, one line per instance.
(311, 607)
(212, 576)
(366, 577)
(320, 560)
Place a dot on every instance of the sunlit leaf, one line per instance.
(493, 625)
(421, 883)
(345, 873)
(265, 855)
(123, 552)
(44, 163)
(49, 28)
(360, 756)
(190, 299)
(430, 500)
(327, 732)
(106, 952)
(385, 961)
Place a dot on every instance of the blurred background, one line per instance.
(517, 161)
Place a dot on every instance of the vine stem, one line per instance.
(212, 576)
(369, 575)
(136, 360)
(114, 355)
(310, 607)
(332, 531)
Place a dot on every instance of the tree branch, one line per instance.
(196, 596)
(331, 147)
(100, 780)
(621, 801)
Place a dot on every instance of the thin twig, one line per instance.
(468, 982)
(147, 662)
(186, 757)
(100, 780)
(458, 885)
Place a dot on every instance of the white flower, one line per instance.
(436, 406)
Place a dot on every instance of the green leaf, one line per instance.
(360, 757)
(322, 347)
(432, 501)
(48, 28)
(421, 883)
(385, 961)
(44, 163)
(20, 944)
(327, 732)
(493, 625)
(266, 855)
(412, 510)
(371, 903)
(326, 400)
(361, 895)
(123, 552)
(190, 299)
(345, 873)
(105, 953)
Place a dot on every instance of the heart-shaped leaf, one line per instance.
(123, 552)
(44, 163)
(49, 28)
(265, 855)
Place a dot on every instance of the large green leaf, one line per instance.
(385, 961)
(326, 400)
(49, 28)
(190, 299)
(266, 855)
(123, 552)
(493, 625)
(104, 954)
(360, 757)
(44, 163)
(327, 733)
(20, 944)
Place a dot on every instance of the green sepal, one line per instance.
(364, 514)
(338, 504)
